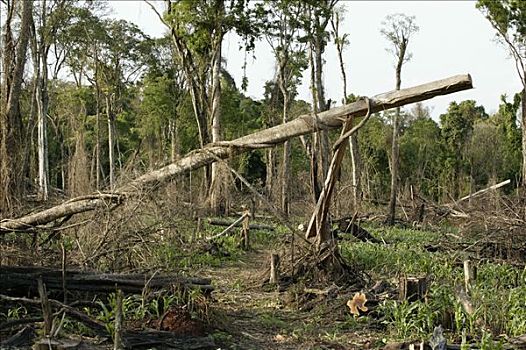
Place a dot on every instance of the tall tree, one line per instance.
(508, 17)
(341, 41)
(282, 30)
(14, 59)
(316, 18)
(51, 15)
(198, 29)
(397, 29)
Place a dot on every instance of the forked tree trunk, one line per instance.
(302, 125)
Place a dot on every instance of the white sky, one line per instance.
(454, 38)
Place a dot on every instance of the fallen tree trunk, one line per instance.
(478, 193)
(306, 124)
(219, 222)
(23, 280)
(229, 228)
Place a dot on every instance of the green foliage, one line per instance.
(507, 16)
(498, 294)
(374, 145)
(457, 129)
(420, 149)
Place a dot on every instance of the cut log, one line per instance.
(306, 124)
(23, 281)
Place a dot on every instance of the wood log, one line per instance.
(221, 222)
(305, 124)
(23, 280)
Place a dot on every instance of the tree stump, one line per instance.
(412, 288)
(274, 268)
(245, 230)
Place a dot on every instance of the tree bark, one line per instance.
(111, 141)
(302, 125)
(11, 176)
(217, 198)
(395, 151)
(42, 99)
(271, 166)
(285, 162)
(356, 170)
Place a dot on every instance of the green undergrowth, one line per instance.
(181, 253)
(498, 295)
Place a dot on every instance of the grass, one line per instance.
(498, 295)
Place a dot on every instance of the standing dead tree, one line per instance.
(302, 125)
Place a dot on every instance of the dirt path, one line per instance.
(247, 317)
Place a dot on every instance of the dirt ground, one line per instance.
(247, 317)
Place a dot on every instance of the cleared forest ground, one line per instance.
(244, 312)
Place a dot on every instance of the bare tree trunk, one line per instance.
(97, 122)
(216, 198)
(353, 140)
(285, 168)
(43, 173)
(271, 166)
(111, 142)
(356, 170)
(42, 104)
(395, 163)
(174, 153)
(11, 176)
(394, 169)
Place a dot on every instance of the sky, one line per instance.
(454, 38)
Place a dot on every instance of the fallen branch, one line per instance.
(96, 326)
(478, 193)
(306, 124)
(219, 222)
(229, 228)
